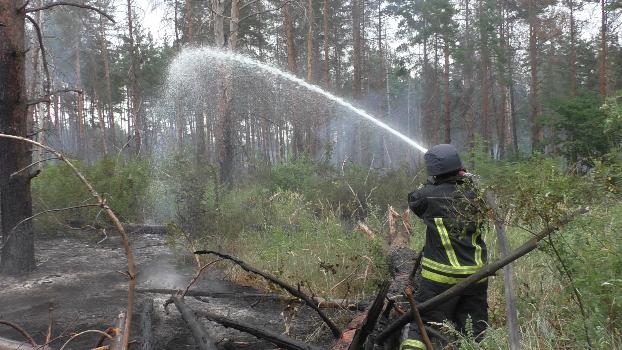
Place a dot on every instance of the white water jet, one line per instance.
(206, 52)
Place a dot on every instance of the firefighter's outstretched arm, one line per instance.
(417, 202)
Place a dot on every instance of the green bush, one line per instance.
(123, 184)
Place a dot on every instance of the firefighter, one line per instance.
(452, 211)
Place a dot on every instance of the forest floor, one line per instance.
(79, 276)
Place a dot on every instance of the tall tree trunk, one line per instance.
(446, 92)
(176, 23)
(357, 66)
(218, 7)
(503, 116)
(292, 68)
(486, 84)
(290, 38)
(234, 25)
(336, 47)
(97, 106)
(201, 135)
(534, 114)
(189, 25)
(225, 133)
(133, 95)
(81, 136)
(467, 69)
(356, 50)
(18, 251)
(436, 120)
(108, 84)
(311, 17)
(326, 45)
(573, 49)
(602, 67)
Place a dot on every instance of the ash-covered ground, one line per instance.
(81, 278)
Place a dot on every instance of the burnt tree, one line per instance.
(18, 248)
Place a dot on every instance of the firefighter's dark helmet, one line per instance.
(442, 159)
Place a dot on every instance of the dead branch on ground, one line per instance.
(274, 338)
(131, 268)
(292, 290)
(203, 340)
(321, 303)
(486, 271)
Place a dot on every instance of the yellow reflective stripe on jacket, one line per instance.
(461, 270)
(444, 279)
(478, 249)
(449, 249)
(409, 344)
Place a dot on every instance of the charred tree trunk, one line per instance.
(18, 252)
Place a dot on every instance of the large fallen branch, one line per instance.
(131, 268)
(486, 271)
(274, 338)
(292, 290)
(203, 340)
(321, 303)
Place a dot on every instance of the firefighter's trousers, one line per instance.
(468, 311)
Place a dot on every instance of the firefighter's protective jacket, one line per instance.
(453, 213)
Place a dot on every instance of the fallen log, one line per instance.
(203, 340)
(321, 303)
(292, 290)
(486, 271)
(274, 338)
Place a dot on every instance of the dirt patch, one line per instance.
(81, 277)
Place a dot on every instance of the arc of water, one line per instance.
(230, 56)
